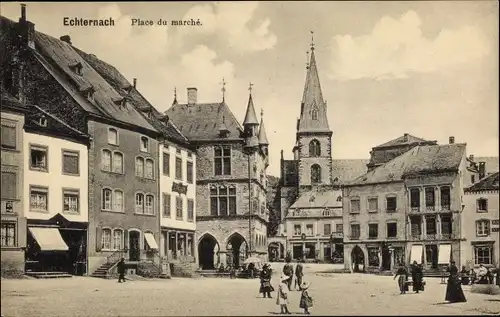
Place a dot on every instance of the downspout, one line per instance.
(160, 196)
(406, 222)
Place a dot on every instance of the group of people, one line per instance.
(454, 292)
(285, 286)
(483, 276)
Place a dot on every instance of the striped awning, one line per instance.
(150, 240)
(49, 239)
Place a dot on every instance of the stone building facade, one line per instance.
(231, 180)
(416, 199)
(13, 220)
(480, 223)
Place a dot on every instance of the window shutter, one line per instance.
(9, 185)
(21, 232)
(125, 239)
(98, 237)
(8, 136)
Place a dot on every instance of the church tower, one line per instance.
(314, 137)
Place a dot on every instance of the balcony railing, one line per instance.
(430, 208)
(416, 237)
(337, 235)
(432, 236)
(415, 209)
(445, 207)
(446, 236)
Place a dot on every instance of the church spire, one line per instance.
(313, 116)
(262, 131)
(250, 116)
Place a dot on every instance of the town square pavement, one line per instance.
(334, 294)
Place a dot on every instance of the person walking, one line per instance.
(402, 272)
(121, 270)
(288, 271)
(416, 276)
(306, 300)
(265, 281)
(454, 292)
(282, 296)
(299, 274)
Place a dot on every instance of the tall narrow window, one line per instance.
(166, 164)
(315, 174)
(222, 160)
(118, 162)
(178, 208)
(415, 198)
(106, 160)
(117, 200)
(107, 195)
(189, 172)
(445, 198)
(190, 210)
(70, 162)
(391, 203)
(113, 136)
(314, 114)
(139, 203)
(117, 239)
(355, 231)
(149, 172)
(139, 167)
(223, 200)
(314, 148)
(178, 168)
(38, 158)
(8, 236)
(9, 185)
(106, 239)
(355, 205)
(144, 144)
(429, 198)
(166, 205)
(149, 208)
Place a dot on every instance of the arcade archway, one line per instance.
(236, 249)
(208, 249)
(358, 259)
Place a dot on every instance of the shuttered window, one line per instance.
(8, 136)
(71, 163)
(9, 185)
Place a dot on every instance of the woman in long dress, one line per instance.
(416, 276)
(265, 281)
(454, 292)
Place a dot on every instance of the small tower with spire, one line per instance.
(251, 124)
(263, 142)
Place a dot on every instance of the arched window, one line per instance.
(118, 239)
(118, 200)
(149, 208)
(149, 170)
(139, 203)
(106, 239)
(106, 160)
(113, 136)
(314, 148)
(107, 199)
(118, 162)
(315, 174)
(139, 166)
(314, 114)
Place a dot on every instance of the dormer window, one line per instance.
(127, 89)
(42, 121)
(120, 101)
(144, 144)
(77, 68)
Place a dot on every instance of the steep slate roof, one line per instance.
(105, 96)
(490, 182)
(313, 98)
(9, 101)
(202, 121)
(420, 159)
(250, 116)
(123, 86)
(405, 139)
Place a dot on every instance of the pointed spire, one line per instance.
(262, 131)
(250, 116)
(313, 116)
(223, 89)
(307, 60)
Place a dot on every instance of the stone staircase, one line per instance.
(149, 270)
(104, 271)
(184, 269)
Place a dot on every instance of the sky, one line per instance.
(429, 69)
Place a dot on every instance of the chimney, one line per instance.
(192, 95)
(482, 170)
(26, 29)
(452, 139)
(135, 82)
(66, 38)
(471, 157)
(23, 13)
(405, 137)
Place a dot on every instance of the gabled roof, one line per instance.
(65, 57)
(490, 182)
(312, 100)
(250, 116)
(126, 90)
(200, 121)
(318, 199)
(420, 159)
(405, 139)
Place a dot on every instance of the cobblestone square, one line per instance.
(334, 294)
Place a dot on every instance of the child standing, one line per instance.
(306, 301)
(282, 298)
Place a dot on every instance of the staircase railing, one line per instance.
(115, 256)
